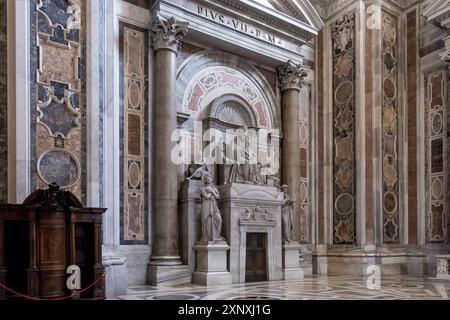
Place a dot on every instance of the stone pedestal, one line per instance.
(211, 264)
(249, 208)
(442, 266)
(391, 261)
(291, 261)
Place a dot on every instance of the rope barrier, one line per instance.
(76, 293)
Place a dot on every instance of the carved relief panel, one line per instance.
(390, 130)
(437, 158)
(58, 93)
(133, 75)
(343, 36)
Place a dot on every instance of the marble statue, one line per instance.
(211, 218)
(197, 174)
(247, 172)
(287, 215)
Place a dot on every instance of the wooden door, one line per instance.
(256, 262)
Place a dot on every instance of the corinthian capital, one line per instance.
(168, 32)
(291, 75)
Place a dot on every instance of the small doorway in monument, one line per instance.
(256, 253)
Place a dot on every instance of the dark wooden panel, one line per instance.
(256, 264)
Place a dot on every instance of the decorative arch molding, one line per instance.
(210, 74)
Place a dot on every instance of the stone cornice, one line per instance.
(167, 33)
(445, 56)
(291, 76)
(438, 12)
(305, 33)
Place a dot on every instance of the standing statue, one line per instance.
(287, 216)
(211, 219)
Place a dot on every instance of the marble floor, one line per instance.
(310, 288)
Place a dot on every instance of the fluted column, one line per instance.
(291, 78)
(166, 36)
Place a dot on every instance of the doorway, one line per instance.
(256, 257)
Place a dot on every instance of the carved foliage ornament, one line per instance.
(168, 32)
(291, 75)
(343, 32)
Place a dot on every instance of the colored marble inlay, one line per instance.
(390, 130)
(437, 158)
(133, 131)
(3, 105)
(59, 118)
(208, 80)
(343, 37)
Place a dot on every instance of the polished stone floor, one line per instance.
(310, 288)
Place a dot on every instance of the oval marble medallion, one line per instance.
(134, 95)
(436, 188)
(436, 123)
(389, 89)
(59, 166)
(390, 202)
(344, 204)
(344, 92)
(134, 174)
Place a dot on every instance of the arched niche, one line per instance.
(229, 111)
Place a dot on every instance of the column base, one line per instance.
(165, 275)
(116, 278)
(291, 261)
(212, 264)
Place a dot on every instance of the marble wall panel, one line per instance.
(437, 133)
(3, 105)
(134, 142)
(58, 88)
(344, 182)
(411, 57)
(391, 228)
(369, 91)
(320, 141)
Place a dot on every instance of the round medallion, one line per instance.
(436, 188)
(389, 89)
(134, 174)
(436, 123)
(134, 95)
(344, 92)
(59, 166)
(390, 202)
(344, 204)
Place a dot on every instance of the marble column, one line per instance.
(166, 36)
(291, 78)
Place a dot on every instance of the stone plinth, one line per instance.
(291, 261)
(355, 262)
(211, 264)
(190, 216)
(442, 266)
(248, 208)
